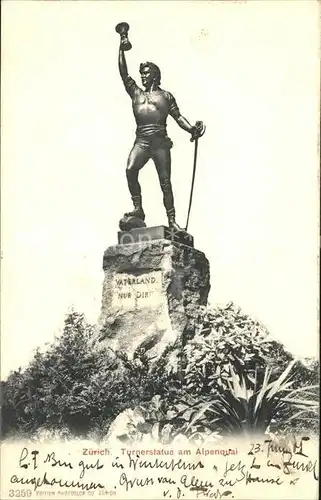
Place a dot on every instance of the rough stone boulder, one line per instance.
(151, 296)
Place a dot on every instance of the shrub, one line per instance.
(49, 391)
(229, 338)
(76, 388)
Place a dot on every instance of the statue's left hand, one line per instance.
(198, 130)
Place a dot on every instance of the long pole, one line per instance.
(193, 180)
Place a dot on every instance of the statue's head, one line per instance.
(150, 74)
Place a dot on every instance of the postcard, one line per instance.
(159, 333)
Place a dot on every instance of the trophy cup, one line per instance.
(122, 29)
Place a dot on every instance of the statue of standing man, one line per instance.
(151, 107)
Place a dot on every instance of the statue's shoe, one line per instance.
(137, 212)
(130, 222)
(175, 227)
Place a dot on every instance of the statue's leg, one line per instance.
(137, 158)
(162, 160)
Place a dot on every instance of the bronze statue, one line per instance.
(151, 108)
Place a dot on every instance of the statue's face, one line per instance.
(147, 77)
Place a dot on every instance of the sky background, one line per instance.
(249, 70)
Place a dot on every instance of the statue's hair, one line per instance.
(154, 70)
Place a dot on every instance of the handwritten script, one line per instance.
(264, 468)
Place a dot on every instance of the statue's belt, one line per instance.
(152, 136)
(146, 131)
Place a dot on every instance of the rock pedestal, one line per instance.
(151, 295)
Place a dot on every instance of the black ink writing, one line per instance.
(37, 482)
(195, 484)
(258, 479)
(289, 466)
(117, 464)
(130, 483)
(172, 465)
(24, 456)
(85, 467)
(53, 461)
(165, 480)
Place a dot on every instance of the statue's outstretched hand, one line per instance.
(198, 130)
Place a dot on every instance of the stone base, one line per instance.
(151, 296)
(146, 234)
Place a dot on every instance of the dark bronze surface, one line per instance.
(151, 106)
(122, 29)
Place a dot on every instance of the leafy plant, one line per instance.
(156, 420)
(227, 338)
(251, 406)
(229, 379)
(245, 406)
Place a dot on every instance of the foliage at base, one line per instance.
(232, 378)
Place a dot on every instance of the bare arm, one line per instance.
(176, 114)
(183, 123)
(128, 82)
(196, 131)
(122, 65)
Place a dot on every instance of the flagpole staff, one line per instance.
(199, 131)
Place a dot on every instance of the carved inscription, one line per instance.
(137, 291)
